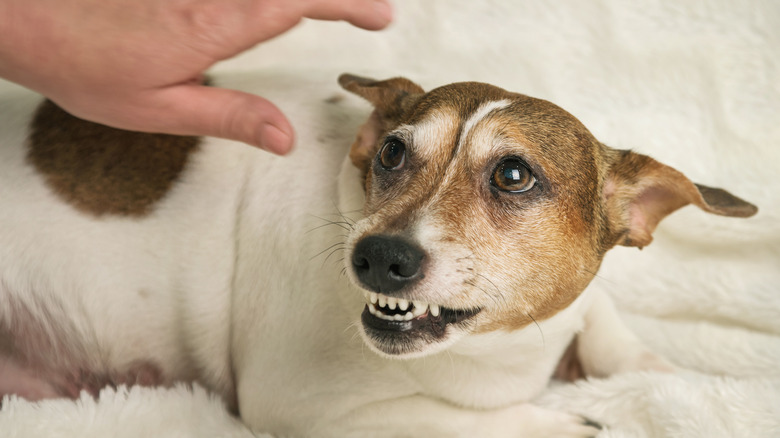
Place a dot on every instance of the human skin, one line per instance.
(138, 64)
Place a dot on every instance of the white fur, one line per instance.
(481, 113)
(640, 75)
(124, 413)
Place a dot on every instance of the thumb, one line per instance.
(200, 110)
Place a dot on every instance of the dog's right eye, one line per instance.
(392, 156)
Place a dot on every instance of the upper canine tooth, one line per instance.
(419, 308)
(403, 304)
(382, 301)
(434, 310)
(392, 302)
(373, 297)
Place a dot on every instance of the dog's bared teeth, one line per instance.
(419, 308)
(380, 305)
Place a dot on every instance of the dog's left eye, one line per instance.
(512, 175)
(393, 154)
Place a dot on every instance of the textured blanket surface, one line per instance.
(695, 84)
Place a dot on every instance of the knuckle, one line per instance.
(210, 26)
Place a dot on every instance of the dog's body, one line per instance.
(249, 273)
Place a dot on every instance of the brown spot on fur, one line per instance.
(101, 170)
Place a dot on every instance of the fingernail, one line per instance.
(274, 139)
(383, 8)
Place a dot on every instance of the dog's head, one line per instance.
(486, 210)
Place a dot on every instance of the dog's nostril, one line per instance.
(360, 263)
(399, 273)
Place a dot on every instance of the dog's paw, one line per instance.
(530, 421)
(570, 426)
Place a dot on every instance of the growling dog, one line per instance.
(427, 286)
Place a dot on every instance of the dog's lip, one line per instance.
(393, 314)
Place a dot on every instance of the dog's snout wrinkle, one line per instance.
(387, 264)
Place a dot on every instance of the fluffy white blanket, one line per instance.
(696, 84)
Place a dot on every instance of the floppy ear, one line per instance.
(639, 192)
(391, 98)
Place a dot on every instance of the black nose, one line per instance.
(387, 264)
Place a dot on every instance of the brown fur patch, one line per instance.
(101, 170)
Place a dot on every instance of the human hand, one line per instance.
(138, 64)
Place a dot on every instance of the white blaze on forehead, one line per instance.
(429, 134)
(481, 113)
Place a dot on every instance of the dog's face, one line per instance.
(487, 210)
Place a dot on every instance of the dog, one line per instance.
(429, 282)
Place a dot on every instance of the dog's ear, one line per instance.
(639, 192)
(391, 98)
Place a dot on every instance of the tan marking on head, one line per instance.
(101, 170)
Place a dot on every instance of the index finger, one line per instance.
(366, 14)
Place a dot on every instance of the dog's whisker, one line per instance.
(351, 325)
(544, 344)
(351, 222)
(487, 294)
(340, 224)
(345, 219)
(326, 249)
(452, 364)
(497, 294)
(346, 223)
(600, 277)
(335, 250)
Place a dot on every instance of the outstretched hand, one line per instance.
(138, 64)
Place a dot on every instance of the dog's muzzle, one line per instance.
(387, 267)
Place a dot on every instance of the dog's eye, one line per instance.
(393, 154)
(512, 175)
